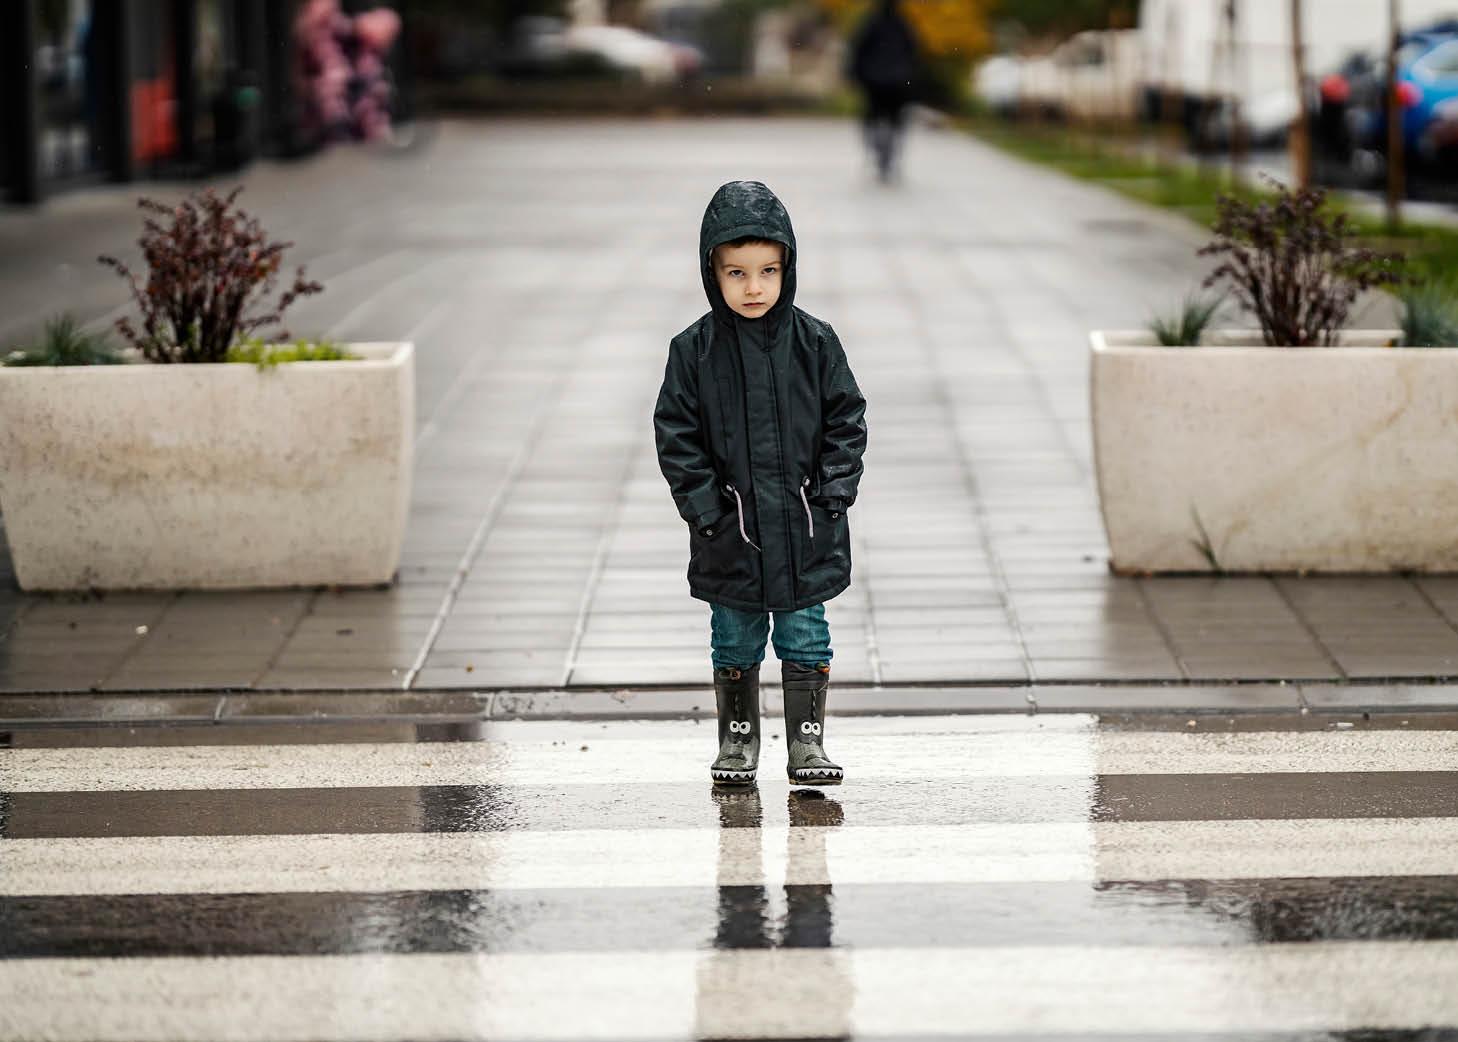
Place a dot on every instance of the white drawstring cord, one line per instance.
(739, 509)
(806, 503)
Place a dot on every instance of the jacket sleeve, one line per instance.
(843, 428)
(682, 454)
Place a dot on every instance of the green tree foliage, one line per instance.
(1063, 17)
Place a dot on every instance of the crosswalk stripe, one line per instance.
(951, 747)
(680, 759)
(772, 856)
(493, 808)
(581, 858)
(894, 992)
(801, 915)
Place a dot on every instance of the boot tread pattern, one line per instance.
(723, 776)
(817, 776)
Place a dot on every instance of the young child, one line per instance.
(760, 429)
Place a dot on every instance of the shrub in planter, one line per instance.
(209, 475)
(210, 267)
(1293, 265)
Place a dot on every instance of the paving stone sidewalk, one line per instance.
(541, 267)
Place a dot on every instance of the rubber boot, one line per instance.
(805, 690)
(736, 693)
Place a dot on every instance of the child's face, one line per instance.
(749, 276)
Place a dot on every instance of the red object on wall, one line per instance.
(154, 120)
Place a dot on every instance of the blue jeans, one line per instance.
(738, 637)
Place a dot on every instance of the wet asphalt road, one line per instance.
(989, 876)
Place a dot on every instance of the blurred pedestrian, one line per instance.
(341, 73)
(885, 61)
(760, 429)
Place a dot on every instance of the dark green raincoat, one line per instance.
(760, 429)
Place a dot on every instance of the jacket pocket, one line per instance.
(720, 561)
(826, 541)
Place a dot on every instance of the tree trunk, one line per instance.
(1238, 143)
(1301, 131)
(1395, 173)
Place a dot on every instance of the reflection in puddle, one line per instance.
(808, 921)
(743, 910)
(1284, 911)
(800, 985)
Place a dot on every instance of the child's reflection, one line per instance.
(743, 908)
(802, 982)
(808, 918)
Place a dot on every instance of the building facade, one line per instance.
(117, 90)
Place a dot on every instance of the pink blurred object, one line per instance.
(339, 64)
(377, 29)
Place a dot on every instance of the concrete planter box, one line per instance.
(1276, 459)
(140, 477)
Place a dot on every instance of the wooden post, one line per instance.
(1234, 66)
(1301, 132)
(1170, 99)
(1396, 175)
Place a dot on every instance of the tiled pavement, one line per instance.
(541, 268)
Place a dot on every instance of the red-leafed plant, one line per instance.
(209, 265)
(1294, 265)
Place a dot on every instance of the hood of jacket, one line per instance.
(738, 210)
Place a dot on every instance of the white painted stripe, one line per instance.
(960, 749)
(1164, 752)
(1323, 848)
(521, 860)
(602, 762)
(1161, 991)
(983, 853)
(1324, 986)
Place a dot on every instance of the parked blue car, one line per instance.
(1351, 113)
(1429, 90)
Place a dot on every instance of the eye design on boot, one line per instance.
(739, 726)
(809, 727)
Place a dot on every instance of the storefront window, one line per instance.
(66, 60)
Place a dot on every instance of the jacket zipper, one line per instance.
(780, 459)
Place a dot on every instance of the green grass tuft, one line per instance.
(1191, 189)
(1429, 316)
(1186, 326)
(265, 356)
(66, 343)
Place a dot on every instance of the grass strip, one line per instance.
(1133, 167)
